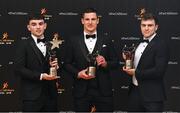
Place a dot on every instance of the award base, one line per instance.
(53, 72)
(128, 64)
(91, 71)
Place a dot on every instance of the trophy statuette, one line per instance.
(128, 52)
(51, 49)
(91, 70)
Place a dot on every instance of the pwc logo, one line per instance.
(4, 39)
(43, 12)
(140, 14)
(5, 90)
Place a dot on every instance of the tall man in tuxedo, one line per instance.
(91, 91)
(39, 92)
(147, 91)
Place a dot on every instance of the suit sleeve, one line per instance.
(20, 62)
(68, 65)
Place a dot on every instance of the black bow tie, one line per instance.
(41, 40)
(91, 36)
(142, 40)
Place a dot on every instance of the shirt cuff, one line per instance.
(41, 76)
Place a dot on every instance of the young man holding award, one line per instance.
(39, 92)
(90, 57)
(150, 60)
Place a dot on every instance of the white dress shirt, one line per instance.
(90, 42)
(40, 45)
(139, 51)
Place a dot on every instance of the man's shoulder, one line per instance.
(161, 39)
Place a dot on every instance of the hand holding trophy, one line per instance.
(53, 61)
(128, 55)
(91, 70)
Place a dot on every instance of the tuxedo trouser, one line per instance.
(43, 103)
(136, 104)
(101, 103)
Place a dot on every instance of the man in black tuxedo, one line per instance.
(91, 91)
(39, 92)
(147, 91)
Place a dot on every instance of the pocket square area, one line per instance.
(104, 45)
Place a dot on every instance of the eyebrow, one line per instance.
(37, 23)
(147, 24)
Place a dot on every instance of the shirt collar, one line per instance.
(35, 37)
(89, 34)
(150, 38)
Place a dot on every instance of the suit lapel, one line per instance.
(83, 47)
(98, 45)
(36, 49)
(147, 49)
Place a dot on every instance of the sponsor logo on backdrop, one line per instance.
(68, 14)
(175, 38)
(117, 13)
(17, 13)
(24, 38)
(124, 87)
(172, 62)
(5, 39)
(11, 62)
(5, 90)
(93, 109)
(168, 13)
(175, 87)
(60, 88)
(44, 13)
(140, 13)
(130, 38)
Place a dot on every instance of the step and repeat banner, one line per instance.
(118, 18)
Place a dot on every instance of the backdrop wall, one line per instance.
(118, 19)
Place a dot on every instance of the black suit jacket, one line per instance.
(151, 70)
(76, 61)
(30, 63)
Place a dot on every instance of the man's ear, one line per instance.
(45, 25)
(28, 27)
(82, 21)
(156, 27)
(98, 20)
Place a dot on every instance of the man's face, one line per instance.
(37, 27)
(90, 22)
(148, 28)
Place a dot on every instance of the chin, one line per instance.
(146, 36)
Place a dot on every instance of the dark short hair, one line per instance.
(89, 10)
(149, 16)
(35, 16)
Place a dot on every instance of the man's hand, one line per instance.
(124, 56)
(45, 76)
(101, 61)
(54, 63)
(82, 74)
(130, 72)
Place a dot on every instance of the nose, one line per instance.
(90, 21)
(146, 27)
(38, 26)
